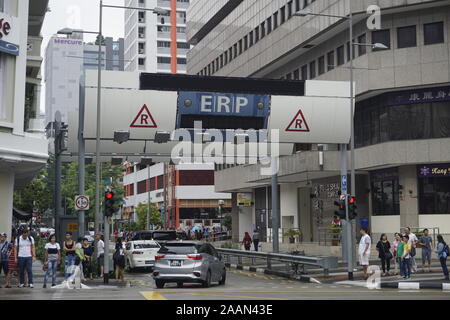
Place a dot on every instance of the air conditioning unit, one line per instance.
(141, 35)
(141, 51)
(142, 20)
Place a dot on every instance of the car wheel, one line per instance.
(129, 267)
(160, 284)
(179, 284)
(223, 279)
(207, 282)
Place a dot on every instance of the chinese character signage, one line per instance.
(419, 96)
(434, 171)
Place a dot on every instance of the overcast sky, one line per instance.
(81, 14)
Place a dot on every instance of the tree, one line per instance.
(97, 40)
(155, 217)
(227, 221)
(35, 196)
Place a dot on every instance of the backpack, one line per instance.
(446, 251)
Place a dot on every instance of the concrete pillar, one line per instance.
(409, 204)
(6, 201)
(234, 217)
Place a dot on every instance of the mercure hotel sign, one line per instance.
(8, 39)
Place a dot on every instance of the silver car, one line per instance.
(188, 262)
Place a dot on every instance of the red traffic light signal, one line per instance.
(109, 195)
(352, 200)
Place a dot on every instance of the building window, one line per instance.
(183, 61)
(340, 55)
(383, 37)
(297, 5)
(296, 74)
(330, 60)
(289, 6)
(240, 46)
(348, 50)
(304, 72)
(256, 34)
(164, 60)
(269, 25)
(2, 86)
(275, 20)
(433, 33)
(385, 192)
(362, 50)
(406, 37)
(263, 30)
(321, 65)
(196, 177)
(434, 190)
(312, 70)
(289, 76)
(235, 50)
(251, 38)
(283, 15)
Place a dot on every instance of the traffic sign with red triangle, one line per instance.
(298, 124)
(144, 119)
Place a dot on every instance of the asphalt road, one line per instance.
(241, 285)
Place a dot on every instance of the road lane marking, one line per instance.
(235, 296)
(288, 291)
(152, 295)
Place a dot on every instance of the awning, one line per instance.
(21, 215)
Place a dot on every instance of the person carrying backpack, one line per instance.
(25, 252)
(443, 253)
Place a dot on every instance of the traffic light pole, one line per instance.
(347, 244)
(106, 256)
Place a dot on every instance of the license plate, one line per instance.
(148, 262)
(175, 263)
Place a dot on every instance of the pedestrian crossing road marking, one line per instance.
(152, 295)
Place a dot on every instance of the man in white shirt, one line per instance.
(413, 240)
(364, 251)
(100, 253)
(25, 256)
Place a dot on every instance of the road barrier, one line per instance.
(325, 263)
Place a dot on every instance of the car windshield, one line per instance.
(178, 249)
(145, 246)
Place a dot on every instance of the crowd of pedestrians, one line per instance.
(402, 252)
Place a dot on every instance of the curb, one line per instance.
(416, 286)
(272, 272)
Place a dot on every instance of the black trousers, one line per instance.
(385, 263)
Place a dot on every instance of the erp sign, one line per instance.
(223, 104)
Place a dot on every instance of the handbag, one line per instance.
(45, 266)
(413, 252)
(388, 255)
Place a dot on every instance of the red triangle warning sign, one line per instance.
(298, 124)
(144, 119)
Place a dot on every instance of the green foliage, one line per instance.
(39, 244)
(227, 221)
(230, 245)
(35, 196)
(292, 233)
(97, 40)
(142, 210)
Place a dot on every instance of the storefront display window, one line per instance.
(385, 192)
(434, 189)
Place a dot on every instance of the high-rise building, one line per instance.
(156, 43)
(66, 59)
(23, 145)
(402, 116)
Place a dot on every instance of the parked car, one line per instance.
(160, 236)
(188, 262)
(141, 254)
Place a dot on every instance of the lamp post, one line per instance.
(344, 155)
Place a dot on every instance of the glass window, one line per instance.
(434, 195)
(297, 75)
(321, 63)
(385, 192)
(407, 37)
(269, 25)
(433, 33)
(362, 49)
(340, 55)
(305, 72)
(282, 14)
(312, 70)
(382, 36)
(330, 60)
(275, 20)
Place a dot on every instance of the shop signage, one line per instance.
(419, 96)
(5, 30)
(434, 171)
(244, 199)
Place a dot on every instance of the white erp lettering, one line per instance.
(241, 102)
(223, 102)
(206, 102)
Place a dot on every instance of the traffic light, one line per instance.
(352, 212)
(341, 209)
(110, 201)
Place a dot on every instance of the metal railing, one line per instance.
(416, 230)
(329, 236)
(282, 237)
(325, 263)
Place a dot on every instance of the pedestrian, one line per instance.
(119, 259)
(406, 258)
(13, 267)
(384, 253)
(4, 250)
(413, 241)
(443, 252)
(25, 252)
(400, 251)
(100, 253)
(87, 264)
(395, 243)
(52, 258)
(69, 247)
(79, 257)
(364, 251)
(247, 241)
(426, 243)
(256, 239)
